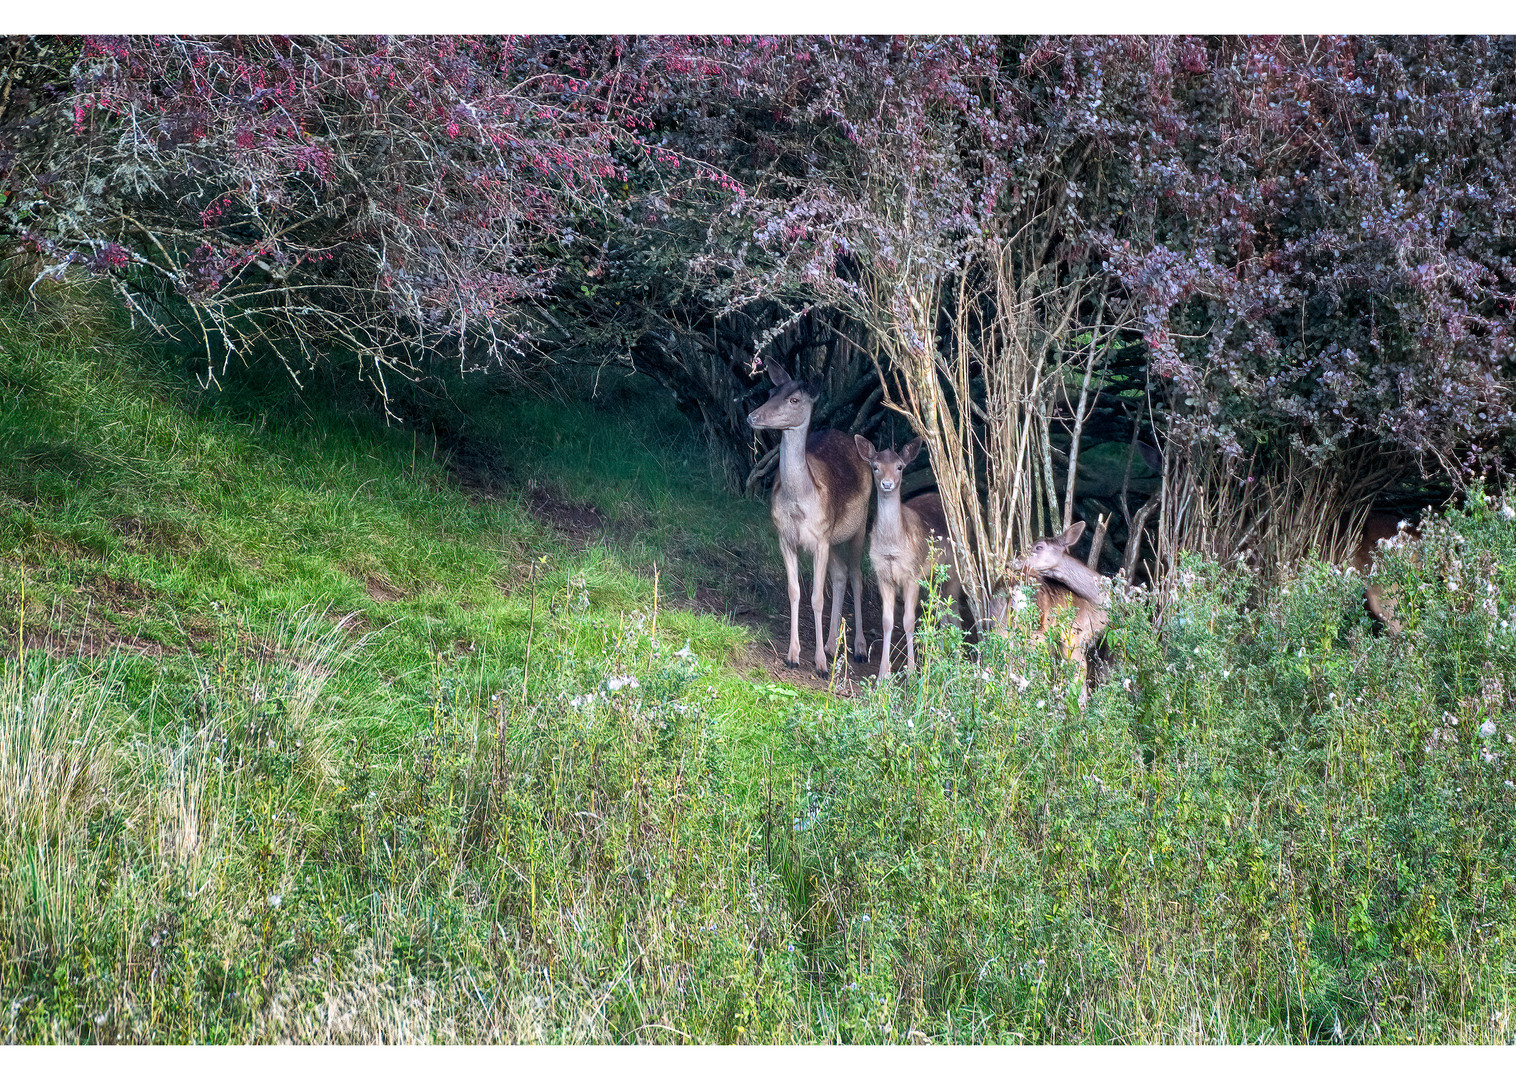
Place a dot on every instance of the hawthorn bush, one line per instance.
(1321, 289)
(1263, 265)
(379, 196)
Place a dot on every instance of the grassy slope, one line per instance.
(228, 815)
(142, 516)
(174, 549)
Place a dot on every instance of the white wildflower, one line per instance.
(1487, 728)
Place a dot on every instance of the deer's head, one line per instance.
(1050, 551)
(789, 406)
(889, 467)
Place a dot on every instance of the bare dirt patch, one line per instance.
(575, 520)
(91, 644)
(481, 474)
(770, 622)
(124, 596)
(381, 591)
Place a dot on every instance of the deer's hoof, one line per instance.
(860, 658)
(792, 663)
(821, 672)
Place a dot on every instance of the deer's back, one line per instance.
(835, 462)
(928, 509)
(840, 506)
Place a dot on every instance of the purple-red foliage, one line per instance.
(1316, 233)
(1342, 212)
(380, 193)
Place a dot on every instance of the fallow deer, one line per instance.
(908, 540)
(1063, 581)
(1380, 529)
(820, 504)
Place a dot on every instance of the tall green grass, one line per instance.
(1269, 824)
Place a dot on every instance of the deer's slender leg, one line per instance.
(792, 578)
(855, 571)
(887, 595)
(819, 570)
(836, 571)
(912, 594)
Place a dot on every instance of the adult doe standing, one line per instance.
(907, 542)
(820, 504)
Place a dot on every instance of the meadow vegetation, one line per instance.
(304, 742)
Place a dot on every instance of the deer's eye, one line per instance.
(794, 401)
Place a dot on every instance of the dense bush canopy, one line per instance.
(1269, 254)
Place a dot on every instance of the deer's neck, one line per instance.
(1081, 580)
(794, 474)
(889, 518)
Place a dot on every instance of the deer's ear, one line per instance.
(813, 388)
(865, 449)
(777, 373)
(909, 452)
(1071, 535)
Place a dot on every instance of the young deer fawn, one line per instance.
(908, 541)
(1063, 581)
(820, 504)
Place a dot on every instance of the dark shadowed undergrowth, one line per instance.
(307, 745)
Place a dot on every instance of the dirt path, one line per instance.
(725, 584)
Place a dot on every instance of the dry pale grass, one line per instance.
(54, 753)
(369, 1002)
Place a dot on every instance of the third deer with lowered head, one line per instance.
(909, 539)
(1381, 529)
(821, 504)
(1064, 581)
